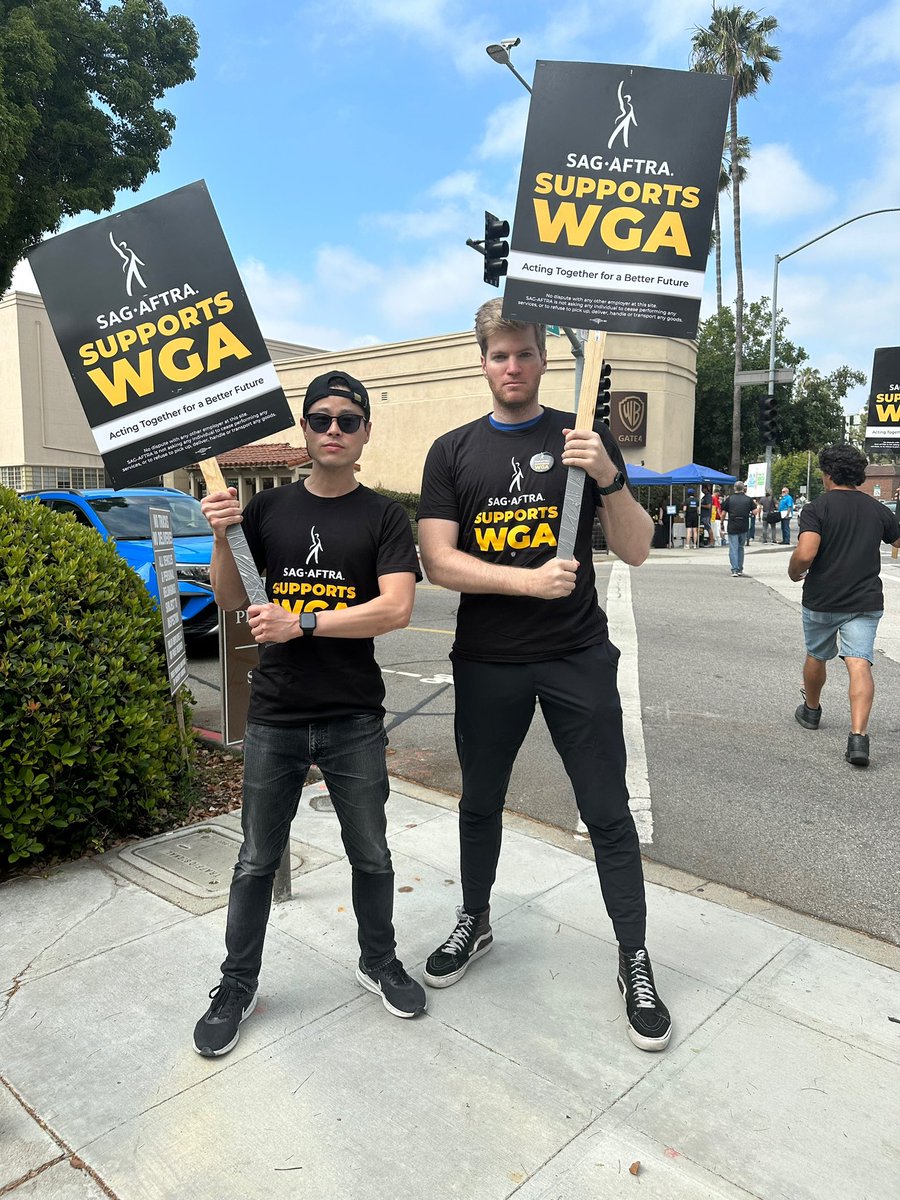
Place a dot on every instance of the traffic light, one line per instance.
(496, 248)
(767, 419)
(603, 393)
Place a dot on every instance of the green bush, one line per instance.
(89, 741)
(409, 500)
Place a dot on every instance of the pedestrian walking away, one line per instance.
(768, 510)
(706, 514)
(691, 519)
(785, 512)
(739, 508)
(317, 694)
(529, 629)
(838, 557)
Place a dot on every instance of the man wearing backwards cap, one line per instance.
(340, 566)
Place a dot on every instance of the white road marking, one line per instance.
(623, 632)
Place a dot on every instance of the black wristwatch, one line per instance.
(616, 486)
(308, 623)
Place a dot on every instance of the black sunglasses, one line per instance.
(347, 422)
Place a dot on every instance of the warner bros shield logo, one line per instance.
(629, 413)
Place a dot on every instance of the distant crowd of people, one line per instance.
(712, 519)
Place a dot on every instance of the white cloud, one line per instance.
(778, 188)
(461, 184)
(23, 279)
(873, 40)
(504, 133)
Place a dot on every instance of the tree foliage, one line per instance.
(791, 471)
(78, 84)
(736, 43)
(810, 411)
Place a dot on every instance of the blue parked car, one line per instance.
(123, 518)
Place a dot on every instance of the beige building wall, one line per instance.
(419, 389)
(423, 388)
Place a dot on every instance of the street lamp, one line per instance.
(499, 52)
(780, 258)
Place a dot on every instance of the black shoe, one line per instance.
(218, 1029)
(808, 717)
(399, 994)
(649, 1023)
(858, 749)
(470, 939)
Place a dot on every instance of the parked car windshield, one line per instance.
(129, 516)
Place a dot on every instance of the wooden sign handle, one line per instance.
(250, 577)
(594, 349)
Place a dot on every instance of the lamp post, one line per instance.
(780, 258)
(499, 52)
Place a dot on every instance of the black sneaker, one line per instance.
(649, 1023)
(218, 1029)
(808, 717)
(470, 939)
(858, 749)
(399, 994)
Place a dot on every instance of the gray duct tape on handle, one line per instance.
(250, 577)
(594, 347)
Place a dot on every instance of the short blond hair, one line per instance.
(490, 320)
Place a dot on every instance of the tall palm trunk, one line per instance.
(739, 298)
(717, 226)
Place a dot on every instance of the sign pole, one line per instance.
(594, 347)
(256, 594)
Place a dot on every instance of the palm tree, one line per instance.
(736, 43)
(725, 186)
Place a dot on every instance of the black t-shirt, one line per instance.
(505, 490)
(739, 507)
(320, 553)
(845, 574)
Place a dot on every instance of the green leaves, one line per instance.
(78, 85)
(88, 735)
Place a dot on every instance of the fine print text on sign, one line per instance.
(616, 197)
(883, 421)
(159, 337)
(169, 598)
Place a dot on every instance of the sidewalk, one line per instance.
(782, 1081)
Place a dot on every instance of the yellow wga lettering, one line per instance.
(887, 405)
(179, 358)
(501, 529)
(619, 225)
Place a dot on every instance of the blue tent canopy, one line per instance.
(694, 473)
(643, 477)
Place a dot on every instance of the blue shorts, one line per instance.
(856, 630)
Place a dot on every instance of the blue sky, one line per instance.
(351, 147)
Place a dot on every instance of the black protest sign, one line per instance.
(159, 337)
(883, 421)
(619, 180)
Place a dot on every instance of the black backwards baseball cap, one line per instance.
(336, 383)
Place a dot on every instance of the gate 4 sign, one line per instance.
(883, 421)
(628, 418)
(616, 196)
(159, 337)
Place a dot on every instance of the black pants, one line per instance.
(579, 698)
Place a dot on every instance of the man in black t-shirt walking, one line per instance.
(739, 508)
(838, 557)
(340, 567)
(529, 627)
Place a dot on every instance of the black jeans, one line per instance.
(350, 754)
(579, 698)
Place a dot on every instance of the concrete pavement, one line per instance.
(782, 1081)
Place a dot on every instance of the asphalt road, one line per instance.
(740, 793)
